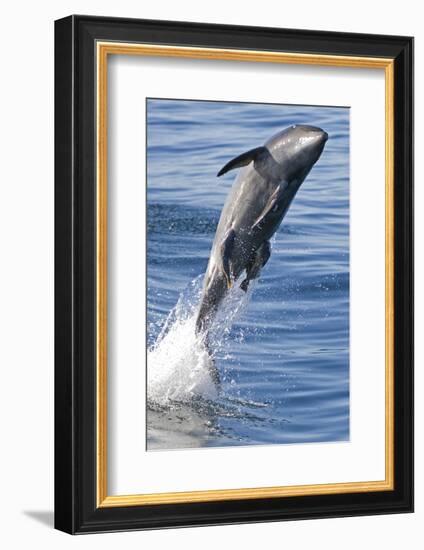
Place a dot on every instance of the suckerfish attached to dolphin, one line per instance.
(257, 203)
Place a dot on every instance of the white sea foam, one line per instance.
(179, 363)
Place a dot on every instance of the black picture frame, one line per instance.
(76, 509)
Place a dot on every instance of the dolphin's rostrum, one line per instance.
(254, 209)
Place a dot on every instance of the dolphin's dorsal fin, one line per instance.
(243, 160)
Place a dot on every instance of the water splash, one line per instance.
(179, 363)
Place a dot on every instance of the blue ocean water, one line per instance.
(284, 361)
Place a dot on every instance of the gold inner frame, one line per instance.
(104, 49)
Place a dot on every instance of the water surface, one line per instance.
(284, 361)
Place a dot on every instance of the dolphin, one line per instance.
(257, 203)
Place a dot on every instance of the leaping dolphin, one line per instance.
(256, 205)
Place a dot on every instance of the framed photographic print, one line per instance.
(234, 270)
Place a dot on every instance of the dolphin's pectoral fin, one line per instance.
(271, 206)
(244, 159)
(227, 246)
(256, 262)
